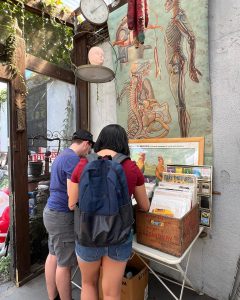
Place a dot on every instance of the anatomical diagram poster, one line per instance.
(163, 81)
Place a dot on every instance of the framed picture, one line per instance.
(153, 155)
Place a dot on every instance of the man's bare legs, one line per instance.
(63, 282)
(50, 276)
(58, 279)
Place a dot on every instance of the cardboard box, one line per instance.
(135, 288)
(167, 234)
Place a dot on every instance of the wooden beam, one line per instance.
(112, 8)
(4, 73)
(33, 6)
(44, 67)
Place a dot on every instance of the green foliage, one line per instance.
(45, 38)
(4, 268)
(4, 181)
(68, 122)
(52, 3)
(10, 47)
(3, 96)
(49, 40)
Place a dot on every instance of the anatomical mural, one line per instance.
(177, 63)
(146, 116)
(163, 73)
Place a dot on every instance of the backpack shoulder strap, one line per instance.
(119, 157)
(91, 157)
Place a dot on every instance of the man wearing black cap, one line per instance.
(58, 219)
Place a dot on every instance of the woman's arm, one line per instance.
(72, 185)
(140, 195)
(72, 189)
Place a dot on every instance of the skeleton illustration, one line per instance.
(147, 118)
(179, 28)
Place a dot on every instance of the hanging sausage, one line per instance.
(138, 19)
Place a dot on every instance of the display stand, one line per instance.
(168, 261)
(203, 174)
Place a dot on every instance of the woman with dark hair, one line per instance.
(113, 137)
(113, 259)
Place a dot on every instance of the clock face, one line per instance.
(94, 11)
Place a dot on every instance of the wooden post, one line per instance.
(19, 167)
(80, 57)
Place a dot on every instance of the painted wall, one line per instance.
(214, 259)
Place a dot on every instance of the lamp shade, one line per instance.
(94, 73)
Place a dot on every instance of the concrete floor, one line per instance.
(36, 290)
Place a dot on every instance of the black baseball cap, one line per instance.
(84, 135)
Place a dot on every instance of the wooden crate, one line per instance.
(167, 234)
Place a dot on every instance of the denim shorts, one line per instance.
(121, 252)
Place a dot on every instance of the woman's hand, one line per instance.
(72, 189)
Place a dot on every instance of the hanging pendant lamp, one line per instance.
(95, 72)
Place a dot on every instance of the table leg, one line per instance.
(157, 277)
(73, 282)
(184, 274)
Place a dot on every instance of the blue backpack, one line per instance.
(104, 214)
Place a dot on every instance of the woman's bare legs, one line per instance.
(90, 276)
(112, 278)
(112, 274)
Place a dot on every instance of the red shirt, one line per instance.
(133, 174)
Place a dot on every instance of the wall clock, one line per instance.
(94, 11)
